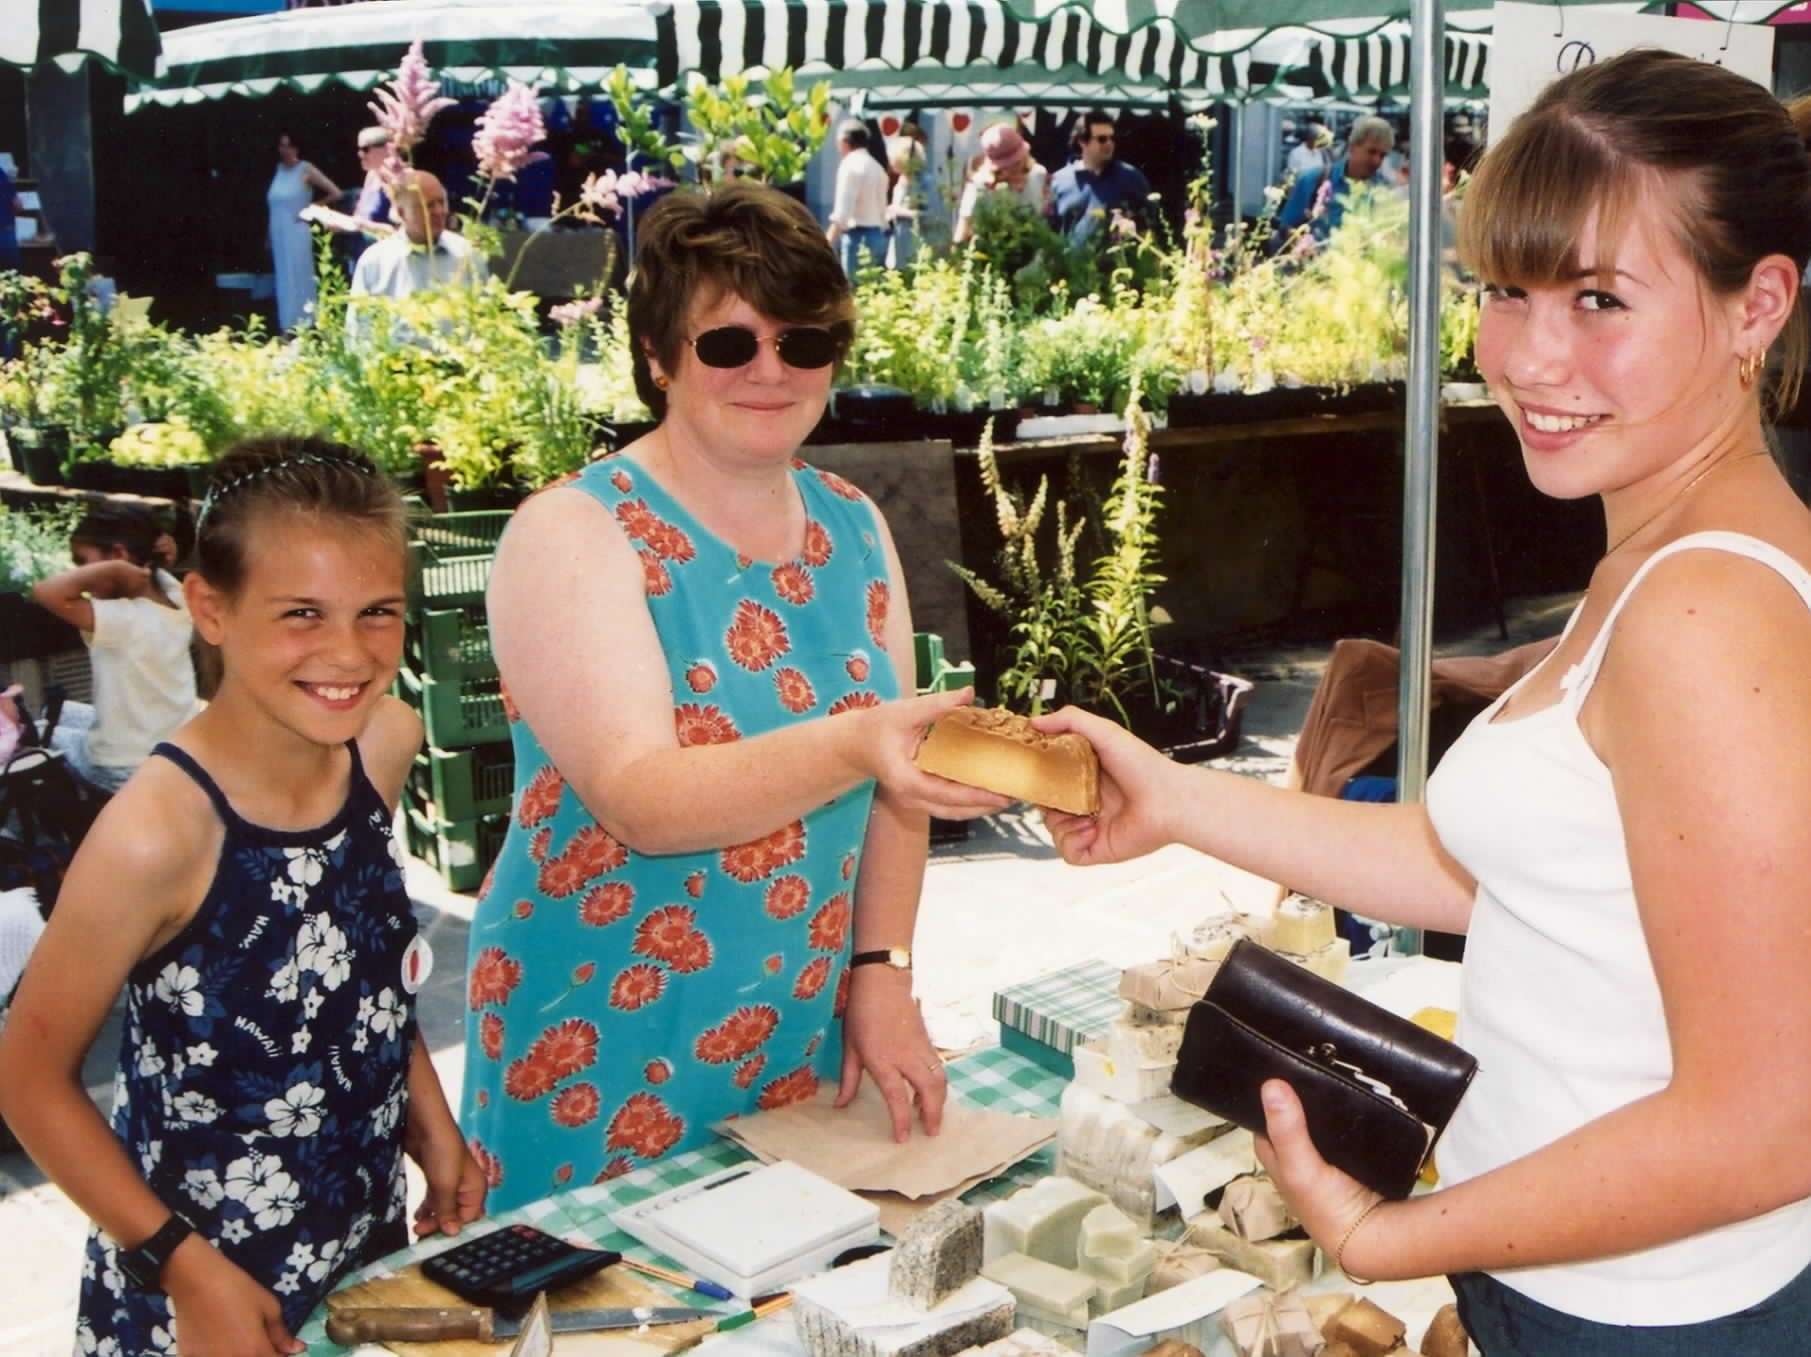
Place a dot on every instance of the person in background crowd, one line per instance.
(370, 218)
(906, 200)
(1313, 152)
(1318, 198)
(9, 216)
(131, 613)
(858, 216)
(715, 794)
(1625, 834)
(1006, 165)
(1089, 188)
(424, 253)
(295, 186)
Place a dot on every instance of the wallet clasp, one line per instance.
(1326, 1053)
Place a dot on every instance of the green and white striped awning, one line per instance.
(70, 32)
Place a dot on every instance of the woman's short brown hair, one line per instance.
(1720, 151)
(741, 238)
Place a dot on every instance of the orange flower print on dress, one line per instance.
(538, 846)
(795, 690)
(540, 798)
(488, 1164)
(657, 1072)
(637, 987)
(694, 885)
(663, 932)
(614, 1169)
(524, 909)
(495, 975)
(606, 904)
(575, 1105)
(645, 1126)
(636, 518)
(656, 582)
(694, 954)
(490, 1035)
(830, 925)
(737, 1035)
(489, 876)
(596, 851)
(879, 596)
(511, 712)
(701, 676)
(836, 485)
(841, 1003)
(799, 1086)
(848, 866)
(792, 582)
(749, 1071)
(528, 1079)
(560, 877)
(620, 479)
(811, 980)
(756, 637)
(670, 543)
(811, 1047)
(818, 546)
(761, 858)
(698, 724)
(857, 666)
(583, 973)
(774, 964)
(563, 1174)
(787, 896)
(567, 1047)
(853, 702)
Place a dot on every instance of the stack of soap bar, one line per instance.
(1108, 1146)
(1043, 1220)
(1214, 936)
(1138, 1015)
(1046, 1293)
(1167, 986)
(939, 1253)
(1278, 1263)
(1253, 1209)
(827, 1310)
(1328, 962)
(1022, 1343)
(1111, 1251)
(1178, 1261)
(1367, 1328)
(1301, 926)
(1136, 1043)
(1124, 1080)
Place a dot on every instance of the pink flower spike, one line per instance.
(599, 192)
(506, 132)
(633, 184)
(570, 313)
(409, 102)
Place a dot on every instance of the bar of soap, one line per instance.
(826, 1311)
(1022, 1342)
(1445, 1336)
(1137, 1015)
(1323, 1305)
(1001, 751)
(1127, 1081)
(1367, 1328)
(1057, 1293)
(1173, 1347)
(1213, 938)
(1279, 1263)
(1167, 986)
(1043, 1221)
(1130, 1043)
(1252, 1208)
(1115, 1296)
(1110, 1249)
(1178, 1261)
(1328, 962)
(1301, 926)
(939, 1253)
(1108, 1146)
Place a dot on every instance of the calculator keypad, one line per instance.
(509, 1266)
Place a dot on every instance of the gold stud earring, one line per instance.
(1748, 369)
(660, 382)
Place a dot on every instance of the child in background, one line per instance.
(245, 888)
(131, 613)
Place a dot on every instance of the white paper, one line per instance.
(1147, 1321)
(857, 1294)
(1532, 45)
(1406, 985)
(1174, 1117)
(1186, 1179)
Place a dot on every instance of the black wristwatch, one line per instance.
(899, 958)
(144, 1265)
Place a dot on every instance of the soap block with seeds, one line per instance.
(1042, 1221)
(827, 1309)
(939, 1253)
(1130, 1043)
(1044, 1290)
(1279, 1263)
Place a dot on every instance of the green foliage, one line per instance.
(769, 126)
(34, 544)
(158, 445)
(1098, 353)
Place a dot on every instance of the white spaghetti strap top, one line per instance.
(1560, 1003)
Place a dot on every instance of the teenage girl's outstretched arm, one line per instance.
(582, 660)
(431, 1137)
(141, 873)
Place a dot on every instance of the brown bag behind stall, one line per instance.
(1377, 1090)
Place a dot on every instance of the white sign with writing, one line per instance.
(1534, 44)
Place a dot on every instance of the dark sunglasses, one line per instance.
(802, 346)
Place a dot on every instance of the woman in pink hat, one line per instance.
(1006, 165)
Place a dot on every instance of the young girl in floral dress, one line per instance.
(245, 889)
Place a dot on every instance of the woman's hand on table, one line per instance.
(889, 743)
(1331, 1204)
(1136, 798)
(884, 1036)
(456, 1185)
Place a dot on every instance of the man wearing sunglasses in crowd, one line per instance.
(1086, 191)
(707, 651)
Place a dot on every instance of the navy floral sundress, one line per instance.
(263, 1070)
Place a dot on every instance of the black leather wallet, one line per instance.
(1377, 1090)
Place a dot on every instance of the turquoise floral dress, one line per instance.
(620, 1003)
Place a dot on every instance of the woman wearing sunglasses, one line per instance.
(704, 643)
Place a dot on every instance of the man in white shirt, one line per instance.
(859, 215)
(424, 253)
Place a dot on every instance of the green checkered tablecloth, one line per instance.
(992, 1078)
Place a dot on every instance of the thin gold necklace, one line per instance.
(1689, 486)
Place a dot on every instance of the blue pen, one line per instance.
(699, 1284)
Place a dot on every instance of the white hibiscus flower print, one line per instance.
(288, 1284)
(297, 1112)
(387, 1021)
(87, 1267)
(361, 1039)
(202, 1055)
(162, 1339)
(87, 1343)
(204, 1186)
(269, 1193)
(386, 1117)
(301, 1254)
(397, 853)
(330, 1253)
(312, 1004)
(196, 1108)
(305, 865)
(180, 987)
(285, 985)
(149, 1156)
(113, 1281)
(323, 949)
(235, 1231)
(150, 1062)
(284, 893)
(298, 1044)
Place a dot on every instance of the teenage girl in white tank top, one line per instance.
(1626, 834)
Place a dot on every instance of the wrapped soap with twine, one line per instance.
(1266, 1324)
(1177, 981)
(1178, 1261)
(1253, 1209)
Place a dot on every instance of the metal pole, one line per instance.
(1420, 461)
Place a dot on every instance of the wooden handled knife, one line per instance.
(433, 1324)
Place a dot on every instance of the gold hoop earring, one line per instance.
(1748, 369)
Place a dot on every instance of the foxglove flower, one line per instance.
(408, 103)
(507, 131)
(570, 313)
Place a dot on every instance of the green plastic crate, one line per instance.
(936, 674)
(450, 557)
(476, 533)
(458, 713)
(450, 643)
(463, 784)
(460, 850)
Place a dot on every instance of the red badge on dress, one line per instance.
(417, 964)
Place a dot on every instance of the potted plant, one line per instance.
(158, 458)
(34, 543)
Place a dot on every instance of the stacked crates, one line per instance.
(457, 801)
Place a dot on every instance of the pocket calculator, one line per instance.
(506, 1268)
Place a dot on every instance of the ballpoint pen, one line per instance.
(701, 1285)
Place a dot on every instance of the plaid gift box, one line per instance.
(1044, 1019)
